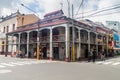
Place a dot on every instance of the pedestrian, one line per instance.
(94, 55)
(35, 54)
(90, 54)
(103, 56)
(41, 53)
(20, 53)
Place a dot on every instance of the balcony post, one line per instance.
(97, 43)
(51, 47)
(11, 45)
(79, 53)
(27, 44)
(67, 42)
(88, 41)
(19, 42)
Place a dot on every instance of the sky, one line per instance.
(86, 11)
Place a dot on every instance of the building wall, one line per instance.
(26, 19)
(3, 29)
(7, 24)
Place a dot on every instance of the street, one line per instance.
(31, 69)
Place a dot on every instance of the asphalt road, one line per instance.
(30, 69)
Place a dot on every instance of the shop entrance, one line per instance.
(56, 53)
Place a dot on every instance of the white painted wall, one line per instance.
(8, 22)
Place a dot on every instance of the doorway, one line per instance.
(56, 53)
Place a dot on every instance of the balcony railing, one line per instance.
(92, 42)
(45, 39)
(54, 38)
(59, 37)
(23, 41)
(84, 40)
(33, 40)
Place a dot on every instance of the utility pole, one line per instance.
(38, 36)
(70, 56)
(38, 43)
(73, 36)
(68, 8)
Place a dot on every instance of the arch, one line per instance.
(23, 38)
(45, 35)
(76, 34)
(92, 37)
(84, 35)
(44, 28)
(16, 34)
(33, 36)
(45, 32)
(60, 29)
(57, 27)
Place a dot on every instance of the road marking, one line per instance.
(1, 66)
(7, 64)
(5, 71)
(107, 62)
(14, 63)
(117, 63)
(25, 62)
(35, 62)
(99, 62)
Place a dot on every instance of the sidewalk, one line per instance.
(25, 59)
(115, 58)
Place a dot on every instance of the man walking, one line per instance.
(94, 55)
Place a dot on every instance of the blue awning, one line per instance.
(116, 37)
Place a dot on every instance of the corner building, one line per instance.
(55, 33)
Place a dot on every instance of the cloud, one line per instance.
(7, 7)
(41, 7)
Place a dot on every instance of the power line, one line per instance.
(30, 9)
(79, 8)
(68, 8)
(100, 14)
(106, 14)
(99, 10)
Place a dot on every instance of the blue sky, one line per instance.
(42, 7)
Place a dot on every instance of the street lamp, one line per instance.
(38, 36)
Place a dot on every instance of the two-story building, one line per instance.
(9, 24)
(54, 34)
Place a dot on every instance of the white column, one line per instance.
(97, 43)
(107, 44)
(51, 47)
(79, 53)
(88, 41)
(12, 46)
(6, 45)
(67, 42)
(27, 44)
(19, 42)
